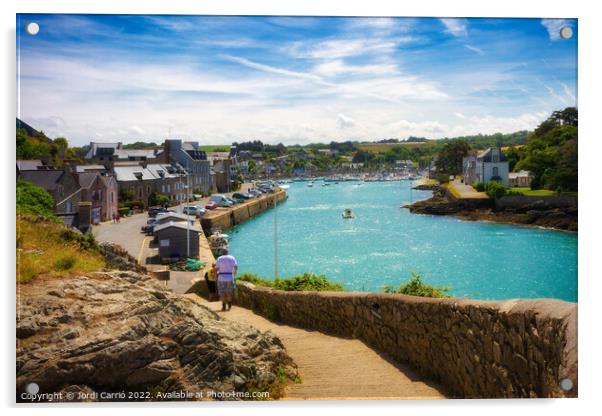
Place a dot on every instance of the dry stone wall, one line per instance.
(476, 349)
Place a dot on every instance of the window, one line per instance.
(496, 171)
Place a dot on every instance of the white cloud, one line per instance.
(460, 115)
(455, 26)
(344, 121)
(553, 26)
(338, 66)
(475, 49)
(341, 48)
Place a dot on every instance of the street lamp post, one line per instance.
(188, 215)
(275, 238)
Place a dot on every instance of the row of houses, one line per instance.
(492, 165)
(113, 173)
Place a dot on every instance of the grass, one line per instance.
(384, 147)
(46, 247)
(302, 282)
(538, 192)
(215, 148)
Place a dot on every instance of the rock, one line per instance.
(122, 331)
(26, 328)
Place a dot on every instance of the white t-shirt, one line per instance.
(225, 265)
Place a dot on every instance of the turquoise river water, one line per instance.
(384, 243)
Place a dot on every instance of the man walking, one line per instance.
(226, 271)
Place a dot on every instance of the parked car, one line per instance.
(221, 200)
(242, 196)
(194, 210)
(267, 189)
(255, 192)
(153, 211)
(211, 205)
(149, 227)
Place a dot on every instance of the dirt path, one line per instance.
(336, 368)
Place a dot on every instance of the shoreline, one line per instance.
(557, 219)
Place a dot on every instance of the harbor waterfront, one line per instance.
(383, 244)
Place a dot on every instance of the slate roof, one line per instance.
(29, 164)
(485, 156)
(180, 225)
(117, 151)
(86, 180)
(87, 168)
(47, 179)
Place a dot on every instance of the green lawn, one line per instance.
(215, 148)
(539, 192)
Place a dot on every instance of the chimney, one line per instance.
(84, 216)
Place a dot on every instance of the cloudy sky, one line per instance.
(290, 79)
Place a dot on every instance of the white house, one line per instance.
(492, 165)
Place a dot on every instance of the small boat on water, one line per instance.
(310, 184)
(347, 214)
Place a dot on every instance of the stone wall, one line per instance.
(476, 349)
(224, 219)
(522, 202)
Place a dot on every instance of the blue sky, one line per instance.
(219, 79)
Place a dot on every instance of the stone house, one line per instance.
(193, 160)
(101, 190)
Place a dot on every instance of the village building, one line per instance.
(101, 190)
(61, 184)
(193, 160)
(469, 167)
(520, 179)
(492, 166)
(106, 153)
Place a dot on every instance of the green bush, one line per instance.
(495, 189)
(65, 263)
(302, 282)
(479, 186)
(32, 199)
(123, 211)
(158, 199)
(416, 287)
(86, 241)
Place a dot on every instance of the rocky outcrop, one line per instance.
(530, 213)
(121, 332)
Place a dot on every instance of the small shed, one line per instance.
(172, 240)
(174, 217)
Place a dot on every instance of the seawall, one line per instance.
(477, 349)
(225, 218)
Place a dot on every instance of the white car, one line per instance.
(221, 200)
(194, 210)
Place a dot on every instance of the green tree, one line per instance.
(449, 159)
(551, 152)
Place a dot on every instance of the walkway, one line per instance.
(333, 368)
(463, 191)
